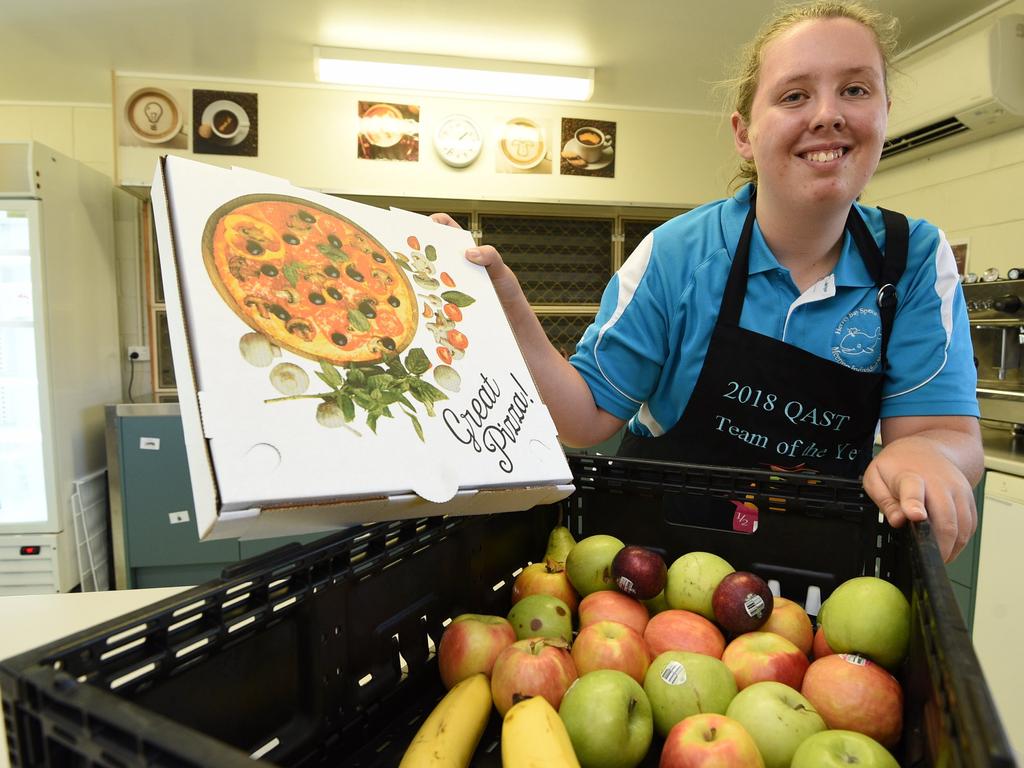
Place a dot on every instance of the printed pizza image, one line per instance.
(310, 280)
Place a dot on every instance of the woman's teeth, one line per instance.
(824, 157)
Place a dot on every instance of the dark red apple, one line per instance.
(742, 602)
(639, 572)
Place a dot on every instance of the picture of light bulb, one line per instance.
(153, 112)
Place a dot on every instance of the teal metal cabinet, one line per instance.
(154, 535)
(153, 524)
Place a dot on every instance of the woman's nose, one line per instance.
(829, 115)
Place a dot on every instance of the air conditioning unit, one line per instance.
(949, 95)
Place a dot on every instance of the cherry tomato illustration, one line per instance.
(445, 354)
(457, 339)
(453, 312)
(447, 280)
(413, 242)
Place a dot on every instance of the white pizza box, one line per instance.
(272, 454)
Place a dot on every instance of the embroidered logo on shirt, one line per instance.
(857, 340)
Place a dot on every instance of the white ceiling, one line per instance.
(647, 53)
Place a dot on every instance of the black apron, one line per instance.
(764, 404)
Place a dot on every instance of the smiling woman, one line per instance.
(764, 293)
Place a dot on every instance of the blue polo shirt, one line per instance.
(643, 353)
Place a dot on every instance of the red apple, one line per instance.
(470, 644)
(742, 602)
(854, 694)
(613, 606)
(610, 645)
(541, 579)
(709, 740)
(820, 646)
(639, 572)
(678, 630)
(790, 620)
(758, 656)
(540, 666)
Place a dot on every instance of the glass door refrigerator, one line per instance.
(58, 361)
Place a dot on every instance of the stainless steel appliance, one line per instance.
(996, 312)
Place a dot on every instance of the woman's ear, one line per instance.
(741, 136)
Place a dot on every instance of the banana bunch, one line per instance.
(449, 735)
(533, 736)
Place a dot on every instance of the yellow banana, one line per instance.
(533, 736)
(449, 735)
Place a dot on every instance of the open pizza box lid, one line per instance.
(338, 363)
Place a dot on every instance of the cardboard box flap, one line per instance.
(328, 352)
(291, 521)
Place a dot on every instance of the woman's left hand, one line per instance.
(929, 474)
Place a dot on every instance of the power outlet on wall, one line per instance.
(138, 354)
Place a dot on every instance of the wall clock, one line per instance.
(458, 141)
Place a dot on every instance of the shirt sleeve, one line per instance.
(931, 368)
(622, 352)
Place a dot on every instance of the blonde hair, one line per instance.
(740, 88)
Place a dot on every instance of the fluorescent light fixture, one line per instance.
(453, 74)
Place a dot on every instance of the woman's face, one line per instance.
(818, 118)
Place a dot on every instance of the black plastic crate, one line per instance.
(322, 654)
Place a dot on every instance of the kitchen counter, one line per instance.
(1004, 451)
(30, 621)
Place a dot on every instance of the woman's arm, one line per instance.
(928, 468)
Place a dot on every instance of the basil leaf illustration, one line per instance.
(329, 375)
(358, 320)
(418, 427)
(458, 298)
(426, 392)
(430, 252)
(292, 272)
(416, 361)
(348, 408)
(332, 253)
(356, 377)
(379, 381)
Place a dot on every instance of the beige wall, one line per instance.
(972, 192)
(308, 136)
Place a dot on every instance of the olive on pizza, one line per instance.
(310, 280)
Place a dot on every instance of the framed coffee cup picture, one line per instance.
(587, 147)
(225, 123)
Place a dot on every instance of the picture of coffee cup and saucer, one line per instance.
(225, 122)
(589, 148)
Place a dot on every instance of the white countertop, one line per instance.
(1004, 452)
(30, 621)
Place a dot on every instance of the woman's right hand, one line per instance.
(505, 282)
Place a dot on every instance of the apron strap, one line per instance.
(885, 271)
(736, 288)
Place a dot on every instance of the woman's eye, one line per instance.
(792, 97)
(856, 90)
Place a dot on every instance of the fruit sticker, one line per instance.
(674, 673)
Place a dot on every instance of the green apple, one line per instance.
(869, 616)
(777, 717)
(692, 580)
(608, 718)
(840, 749)
(589, 563)
(680, 684)
(541, 615)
